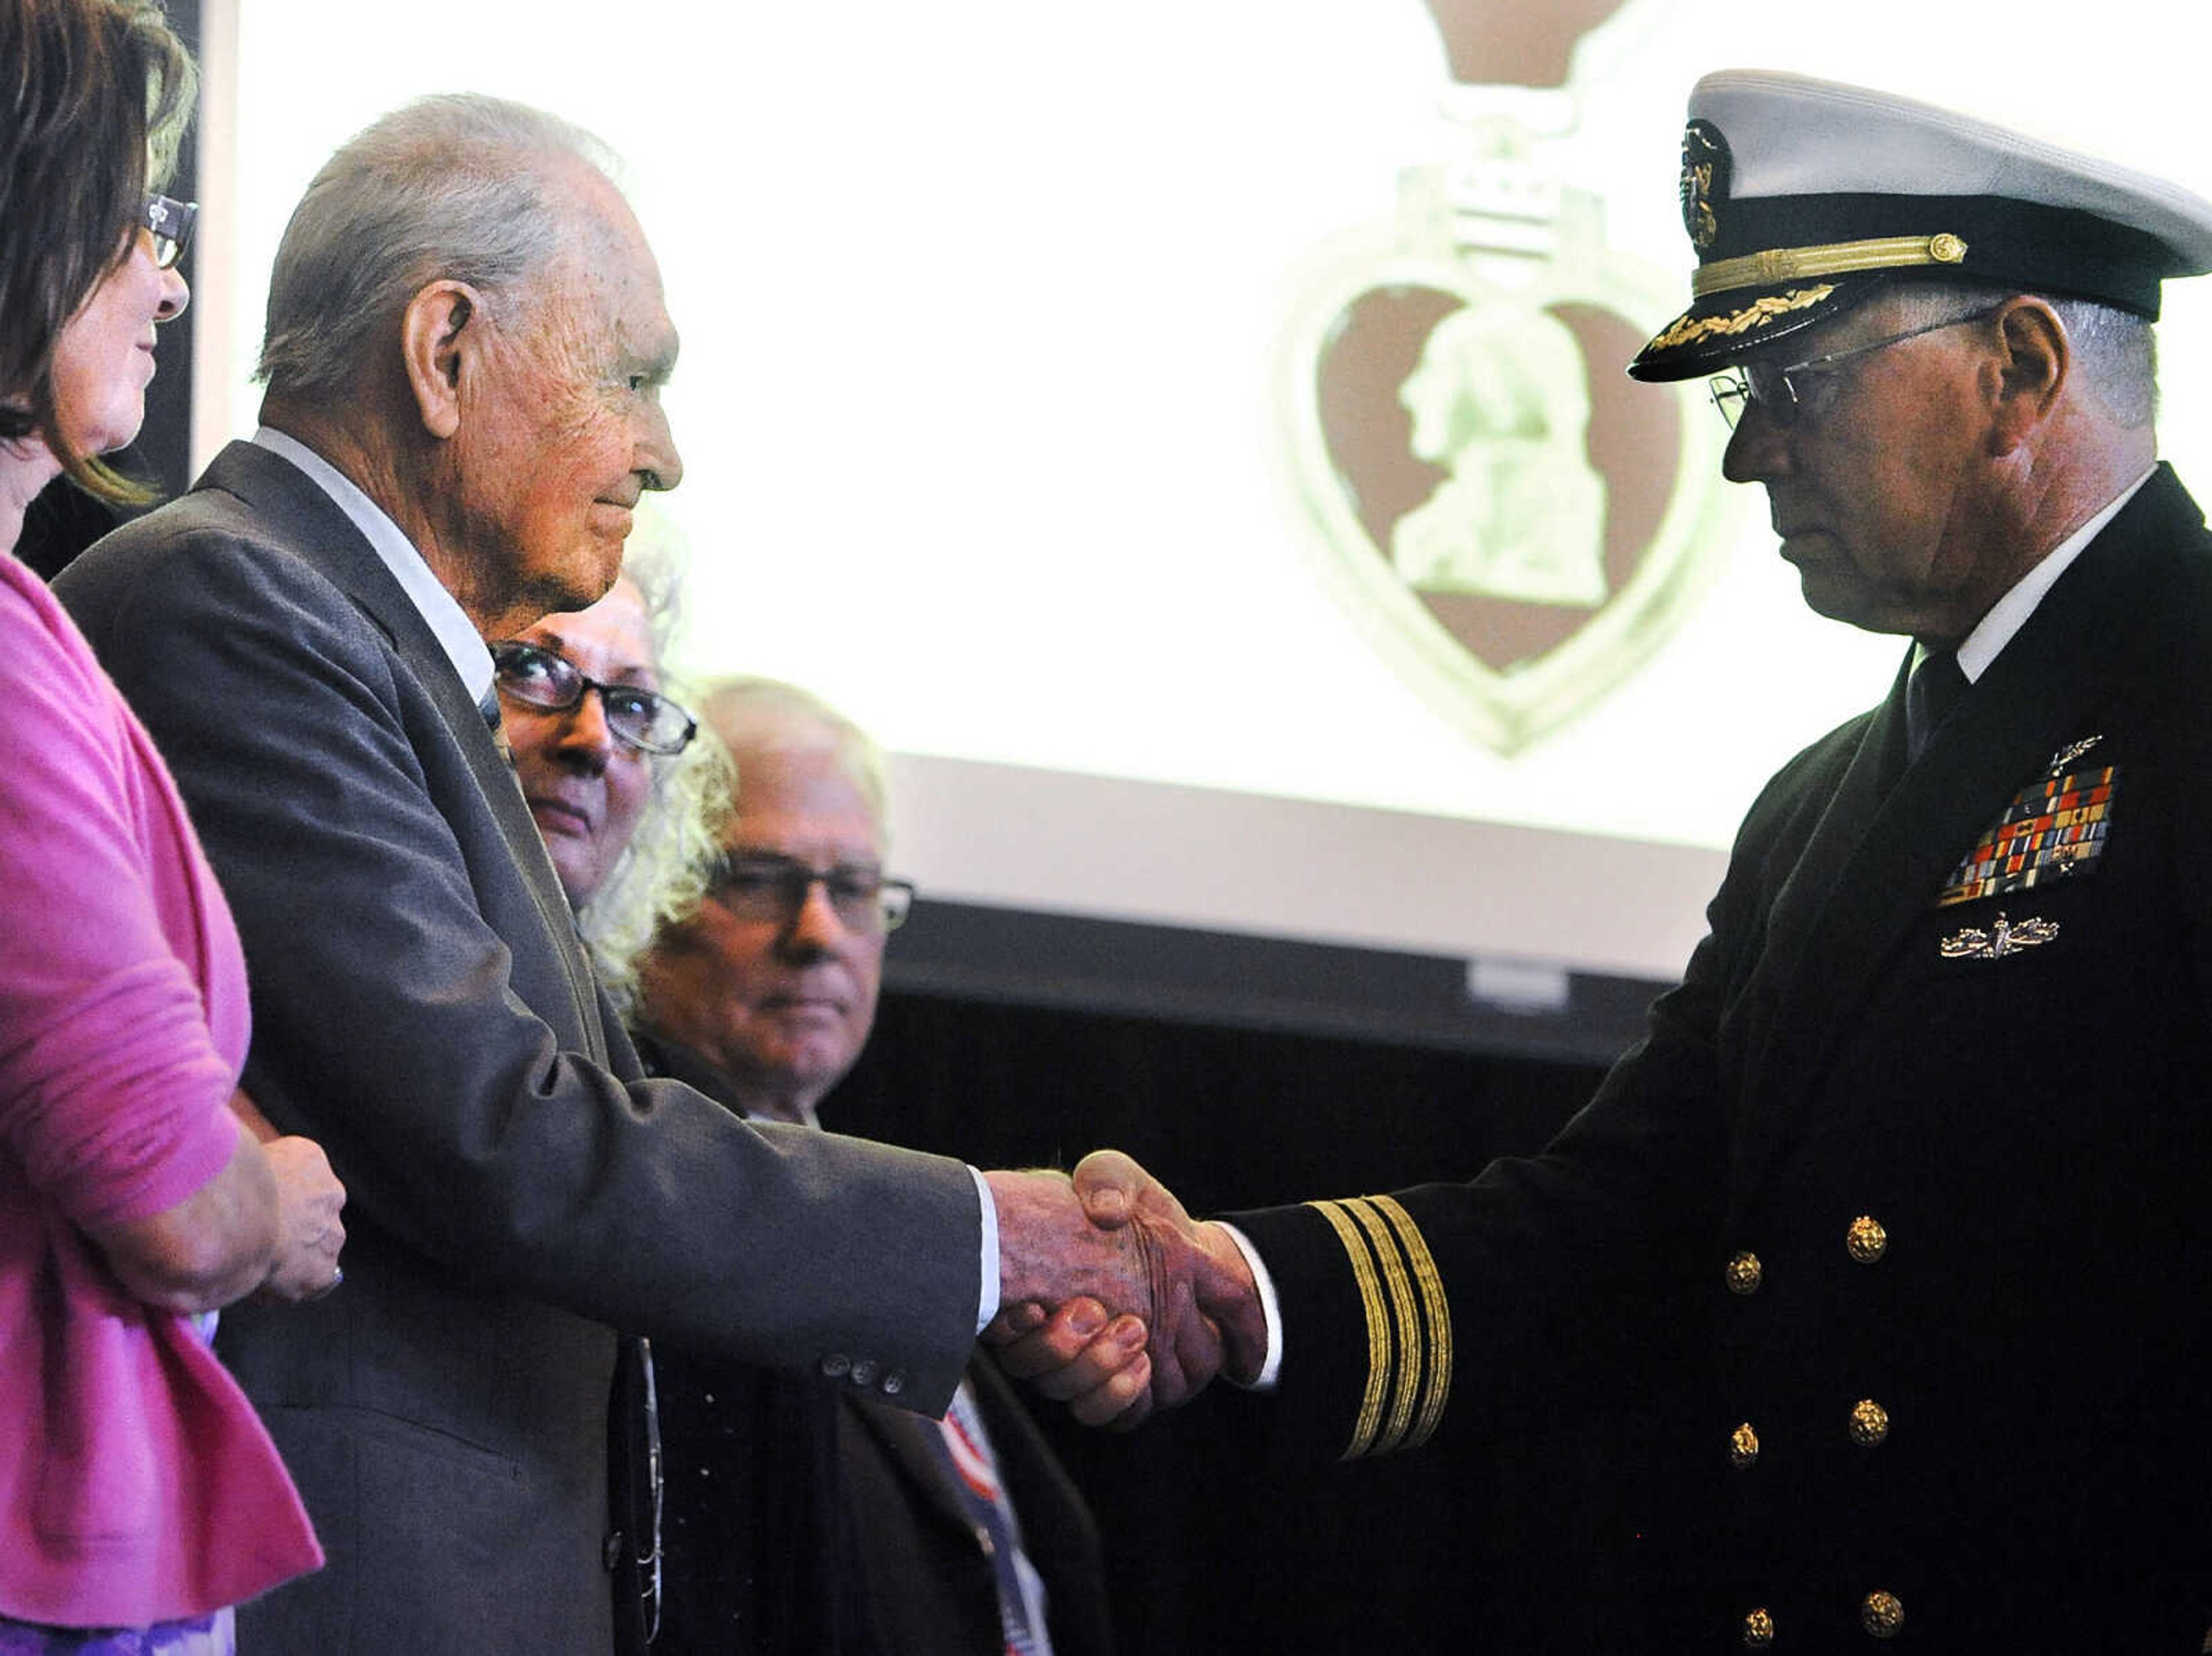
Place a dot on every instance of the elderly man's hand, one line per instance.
(1083, 1245)
(310, 1234)
(309, 1199)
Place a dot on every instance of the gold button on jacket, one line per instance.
(1881, 1615)
(1745, 1273)
(1743, 1445)
(1869, 1423)
(1866, 1240)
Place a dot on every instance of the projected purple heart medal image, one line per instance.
(1513, 522)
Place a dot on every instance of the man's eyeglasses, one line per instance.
(1784, 393)
(640, 719)
(171, 222)
(755, 885)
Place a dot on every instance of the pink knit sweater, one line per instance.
(136, 1484)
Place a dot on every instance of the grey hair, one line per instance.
(455, 186)
(663, 872)
(753, 715)
(2115, 351)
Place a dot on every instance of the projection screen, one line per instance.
(1191, 434)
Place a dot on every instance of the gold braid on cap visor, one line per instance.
(1778, 264)
(1689, 329)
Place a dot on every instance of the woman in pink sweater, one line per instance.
(139, 1495)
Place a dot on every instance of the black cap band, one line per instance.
(2059, 250)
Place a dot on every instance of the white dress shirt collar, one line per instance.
(456, 634)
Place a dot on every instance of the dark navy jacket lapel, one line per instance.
(1876, 864)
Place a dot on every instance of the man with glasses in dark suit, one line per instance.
(797, 1518)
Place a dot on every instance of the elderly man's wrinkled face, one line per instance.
(565, 430)
(781, 1004)
(585, 786)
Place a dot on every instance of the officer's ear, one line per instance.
(2033, 358)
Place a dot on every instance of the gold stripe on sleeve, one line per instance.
(1403, 1318)
(1378, 1328)
(1437, 1309)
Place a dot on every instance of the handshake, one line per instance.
(1112, 1299)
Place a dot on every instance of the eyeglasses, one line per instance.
(1784, 394)
(755, 885)
(171, 223)
(639, 718)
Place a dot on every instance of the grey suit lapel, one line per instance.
(321, 535)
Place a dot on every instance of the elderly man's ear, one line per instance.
(441, 334)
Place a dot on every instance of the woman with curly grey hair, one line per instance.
(629, 805)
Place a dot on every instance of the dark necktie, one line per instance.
(1935, 689)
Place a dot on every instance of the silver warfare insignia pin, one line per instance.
(1975, 943)
(2066, 756)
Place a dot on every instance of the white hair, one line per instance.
(753, 715)
(2115, 351)
(458, 186)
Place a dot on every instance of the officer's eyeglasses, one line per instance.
(1802, 389)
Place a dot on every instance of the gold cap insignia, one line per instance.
(1704, 182)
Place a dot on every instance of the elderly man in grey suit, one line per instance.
(466, 348)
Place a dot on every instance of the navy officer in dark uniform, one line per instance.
(1921, 1145)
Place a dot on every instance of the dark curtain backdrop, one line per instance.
(1212, 1547)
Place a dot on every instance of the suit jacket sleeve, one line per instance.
(441, 1058)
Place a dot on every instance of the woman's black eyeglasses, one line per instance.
(641, 718)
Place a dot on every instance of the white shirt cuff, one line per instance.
(988, 1305)
(1269, 1306)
